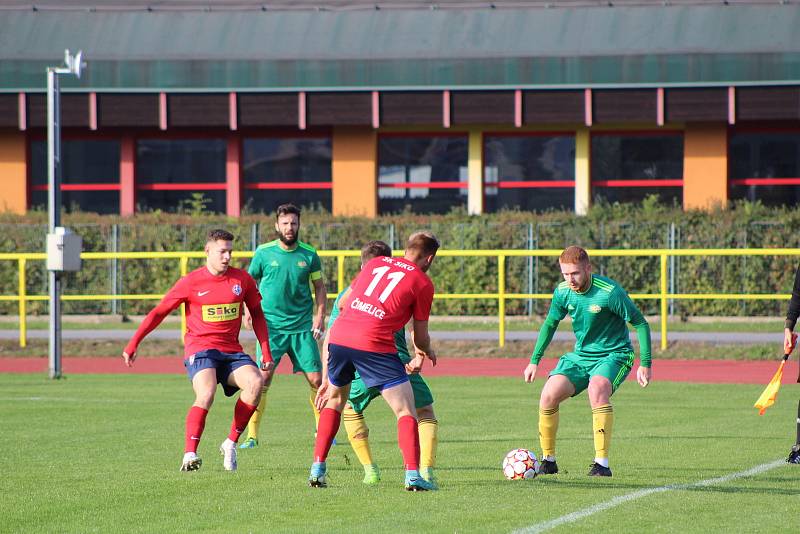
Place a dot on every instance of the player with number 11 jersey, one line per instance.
(375, 311)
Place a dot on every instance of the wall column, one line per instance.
(583, 184)
(475, 173)
(233, 177)
(355, 171)
(127, 184)
(705, 166)
(14, 170)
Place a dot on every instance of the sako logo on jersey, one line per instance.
(216, 313)
(368, 308)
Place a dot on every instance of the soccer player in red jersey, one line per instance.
(383, 297)
(214, 295)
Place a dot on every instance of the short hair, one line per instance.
(574, 255)
(219, 235)
(374, 249)
(287, 209)
(423, 243)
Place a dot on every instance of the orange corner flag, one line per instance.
(770, 393)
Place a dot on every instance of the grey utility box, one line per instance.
(64, 250)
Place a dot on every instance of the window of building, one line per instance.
(89, 175)
(173, 172)
(534, 172)
(765, 166)
(279, 170)
(629, 166)
(422, 173)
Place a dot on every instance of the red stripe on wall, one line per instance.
(638, 183)
(290, 185)
(532, 184)
(766, 181)
(182, 187)
(81, 187)
(427, 185)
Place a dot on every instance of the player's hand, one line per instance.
(644, 375)
(129, 358)
(431, 354)
(789, 341)
(530, 372)
(415, 365)
(322, 395)
(318, 330)
(267, 365)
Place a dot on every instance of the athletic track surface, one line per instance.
(698, 371)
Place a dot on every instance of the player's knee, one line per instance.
(426, 412)
(204, 399)
(599, 393)
(548, 400)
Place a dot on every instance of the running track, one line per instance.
(699, 371)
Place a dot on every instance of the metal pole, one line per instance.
(54, 214)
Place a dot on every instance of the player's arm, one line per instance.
(791, 315)
(420, 335)
(252, 300)
(320, 297)
(255, 270)
(621, 304)
(174, 297)
(554, 315)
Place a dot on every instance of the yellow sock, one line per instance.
(311, 398)
(255, 419)
(358, 434)
(428, 441)
(602, 423)
(548, 427)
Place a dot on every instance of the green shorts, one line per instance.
(579, 369)
(301, 347)
(361, 395)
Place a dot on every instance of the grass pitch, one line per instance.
(100, 453)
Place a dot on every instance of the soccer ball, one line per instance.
(519, 464)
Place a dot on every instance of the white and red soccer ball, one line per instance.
(519, 464)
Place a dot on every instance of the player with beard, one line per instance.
(283, 269)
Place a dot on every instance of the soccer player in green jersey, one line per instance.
(602, 358)
(285, 269)
(361, 396)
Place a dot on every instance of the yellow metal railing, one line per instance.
(22, 259)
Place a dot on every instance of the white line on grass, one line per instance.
(616, 501)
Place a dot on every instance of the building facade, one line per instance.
(372, 108)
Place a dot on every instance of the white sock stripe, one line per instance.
(616, 501)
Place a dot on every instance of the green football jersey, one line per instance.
(399, 336)
(599, 316)
(284, 279)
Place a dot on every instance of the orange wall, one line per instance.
(705, 166)
(13, 172)
(355, 182)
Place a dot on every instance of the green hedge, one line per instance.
(606, 226)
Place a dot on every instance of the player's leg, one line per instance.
(357, 429)
(304, 353)
(605, 377)
(277, 347)
(400, 398)
(794, 454)
(204, 383)
(428, 427)
(340, 374)
(242, 374)
(565, 381)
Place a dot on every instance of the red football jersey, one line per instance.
(383, 297)
(213, 309)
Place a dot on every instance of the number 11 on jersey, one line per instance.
(377, 276)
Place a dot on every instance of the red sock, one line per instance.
(195, 423)
(326, 431)
(408, 439)
(241, 416)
